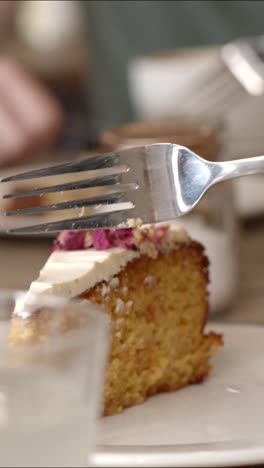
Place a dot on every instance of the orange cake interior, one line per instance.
(157, 302)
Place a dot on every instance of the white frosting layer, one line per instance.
(70, 273)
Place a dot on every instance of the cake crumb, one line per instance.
(179, 235)
(131, 223)
(119, 322)
(149, 280)
(128, 307)
(114, 283)
(149, 249)
(118, 335)
(104, 290)
(119, 306)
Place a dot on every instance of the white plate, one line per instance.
(217, 423)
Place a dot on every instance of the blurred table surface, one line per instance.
(21, 260)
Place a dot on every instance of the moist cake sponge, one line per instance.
(158, 309)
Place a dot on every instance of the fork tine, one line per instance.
(66, 205)
(87, 164)
(112, 195)
(87, 183)
(98, 221)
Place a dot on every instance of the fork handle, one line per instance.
(239, 167)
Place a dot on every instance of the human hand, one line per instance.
(30, 117)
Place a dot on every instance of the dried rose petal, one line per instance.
(56, 246)
(100, 240)
(121, 233)
(121, 238)
(70, 240)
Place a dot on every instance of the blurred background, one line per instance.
(107, 63)
(84, 76)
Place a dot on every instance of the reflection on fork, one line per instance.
(153, 183)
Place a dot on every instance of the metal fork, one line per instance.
(153, 183)
(237, 73)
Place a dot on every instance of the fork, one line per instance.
(153, 183)
(237, 73)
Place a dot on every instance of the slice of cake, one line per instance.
(152, 282)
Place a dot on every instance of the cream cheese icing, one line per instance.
(68, 273)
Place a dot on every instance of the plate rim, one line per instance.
(167, 455)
